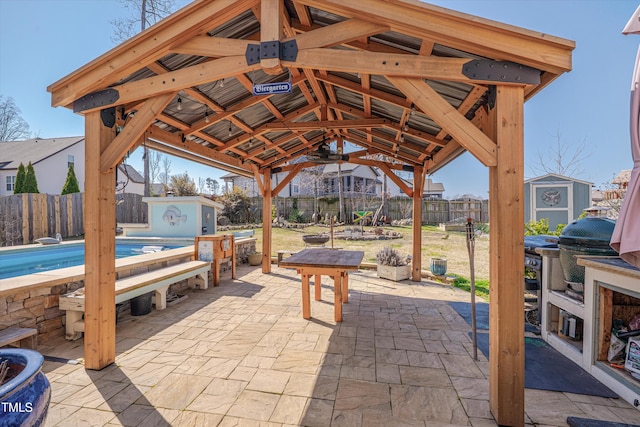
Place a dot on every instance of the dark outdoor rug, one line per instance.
(482, 315)
(545, 368)
(585, 422)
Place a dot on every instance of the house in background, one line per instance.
(558, 198)
(431, 191)
(357, 180)
(50, 158)
(129, 180)
(620, 184)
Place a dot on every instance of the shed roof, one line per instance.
(384, 75)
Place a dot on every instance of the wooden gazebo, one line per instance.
(249, 85)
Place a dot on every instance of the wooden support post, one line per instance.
(506, 215)
(270, 30)
(416, 261)
(100, 233)
(266, 222)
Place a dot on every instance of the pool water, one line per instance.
(35, 259)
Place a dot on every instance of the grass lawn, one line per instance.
(435, 243)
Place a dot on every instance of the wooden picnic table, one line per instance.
(329, 262)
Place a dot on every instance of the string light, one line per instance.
(222, 83)
(179, 104)
(406, 127)
(402, 137)
(230, 130)
(206, 115)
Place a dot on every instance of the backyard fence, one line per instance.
(26, 217)
(434, 211)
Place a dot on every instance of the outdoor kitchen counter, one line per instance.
(612, 290)
(612, 265)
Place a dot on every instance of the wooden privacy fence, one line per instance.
(26, 217)
(433, 211)
(130, 209)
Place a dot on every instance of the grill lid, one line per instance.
(539, 241)
(589, 231)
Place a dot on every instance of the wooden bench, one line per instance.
(157, 281)
(12, 335)
(282, 253)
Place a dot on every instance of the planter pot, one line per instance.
(395, 273)
(438, 266)
(255, 259)
(24, 400)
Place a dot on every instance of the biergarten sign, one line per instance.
(272, 88)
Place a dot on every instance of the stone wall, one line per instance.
(38, 308)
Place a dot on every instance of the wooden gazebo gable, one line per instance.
(413, 85)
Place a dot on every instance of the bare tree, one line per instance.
(154, 165)
(165, 175)
(141, 14)
(145, 13)
(202, 185)
(12, 126)
(562, 159)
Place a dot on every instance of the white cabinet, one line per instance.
(611, 290)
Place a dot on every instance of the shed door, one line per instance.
(208, 220)
(553, 202)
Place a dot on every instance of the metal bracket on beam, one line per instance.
(287, 51)
(96, 100)
(108, 116)
(491, 96)
(501, 71)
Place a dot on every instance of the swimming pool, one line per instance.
(31, 259)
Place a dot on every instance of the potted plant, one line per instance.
(254, 258)
(393, 265)
(438, 266)
(25, 392)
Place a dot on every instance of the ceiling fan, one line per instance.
(323, 155)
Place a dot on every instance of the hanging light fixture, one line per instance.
(230, 130)
(179, 104)
(206, 115)
(222, 83)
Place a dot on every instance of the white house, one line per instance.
(431, 191)
(51, 158)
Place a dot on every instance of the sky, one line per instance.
(41, 41)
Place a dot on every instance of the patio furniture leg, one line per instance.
(337, 288)
(318, 287)
(71, 317)
(306, 297)
(345, 287)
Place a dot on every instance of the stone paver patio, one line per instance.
(242, 355)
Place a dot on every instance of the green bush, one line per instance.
(296, 216)
(541, 227)
(18, 188)
(71, 183)
(30, 182)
